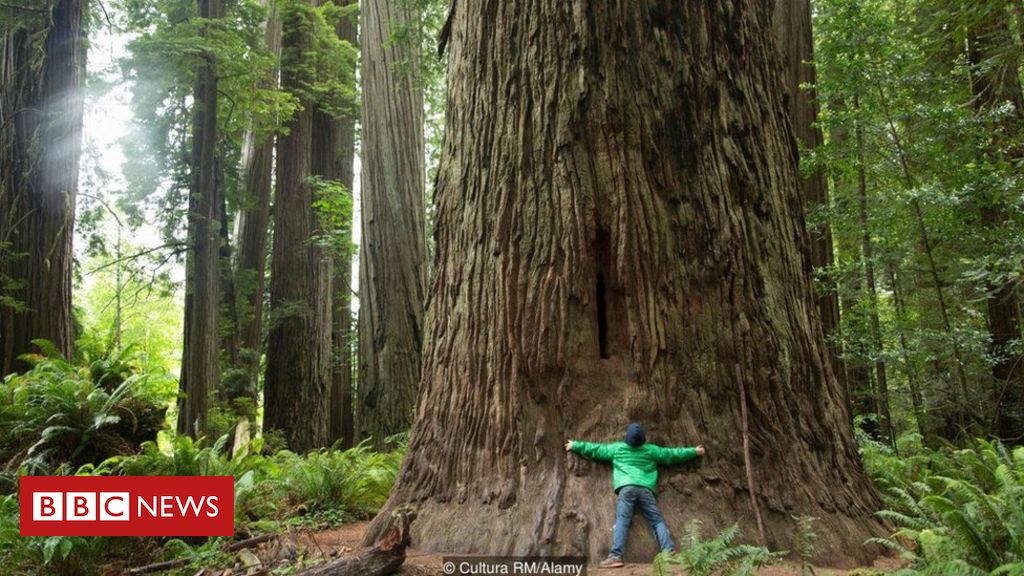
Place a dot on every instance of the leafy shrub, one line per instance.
(56, 417)
(55, 555)
(718, 556)
(956, 511)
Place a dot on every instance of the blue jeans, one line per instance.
(630, 498)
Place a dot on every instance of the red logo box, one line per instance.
(127, 505)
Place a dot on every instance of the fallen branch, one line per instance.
(179, 562)
(160, 566)
(384, 557)
(249, 542)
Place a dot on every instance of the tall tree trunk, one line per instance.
(617, 233)
(916, 398)
(297, 382)
(871, 288)
(993, 53)
(392, 259)
(334, 149)
(793, 32)
(253, 227)
(43, 70)
(200, 366)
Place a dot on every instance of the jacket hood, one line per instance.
(635, 435)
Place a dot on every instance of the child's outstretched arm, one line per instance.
(669, 456)
(592, 450)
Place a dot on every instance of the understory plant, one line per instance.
(956, 511)
(717, 556)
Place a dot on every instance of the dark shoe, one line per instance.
(611, 562)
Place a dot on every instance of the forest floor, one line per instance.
(346, 539)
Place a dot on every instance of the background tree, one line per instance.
(994, 59)
(253, 227)
(334, 149)
(618, 238)
(41, 77)
(200, 364)
(392, 258)
(297, 384)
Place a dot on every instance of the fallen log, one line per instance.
(381, 559)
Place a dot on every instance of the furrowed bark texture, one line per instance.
(200, 365)
(40, 147)
(392, 261)
(618, 227)
(334, 149)
(297, 381)
(796, 46)
(254, 224)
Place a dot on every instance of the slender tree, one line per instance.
(392, 251)
(618, 230)
(867, 261)
(200, 367)
(298, 376)
(41, 75)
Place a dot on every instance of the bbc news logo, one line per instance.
(127, 505)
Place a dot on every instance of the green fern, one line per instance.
(717, 556)
(963, 510)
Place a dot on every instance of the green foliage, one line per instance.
(911, 155)
(718, 556)
(342, 485)
(334, 207)
(59, 416)
(956, 511)
(51, 555)
(805, 540)
(323, 488)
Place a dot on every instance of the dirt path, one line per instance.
(345, 539)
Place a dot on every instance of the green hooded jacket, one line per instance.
(636, 466)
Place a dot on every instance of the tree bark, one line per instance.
(200, 365)
(381, 559)
(297, 382)
(793, 32)
(253, 227)
(992, 51)
(392, 260)
(43, 70)
(618, 227)
(334, 148)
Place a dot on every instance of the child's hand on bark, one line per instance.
(700, 449)
(568, 445)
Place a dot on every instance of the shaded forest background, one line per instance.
(254, 264)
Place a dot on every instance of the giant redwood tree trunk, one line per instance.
(392, 260)
(297, 381)
(43, 67)
(796, 46)
(200, 366)
(618, 238)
